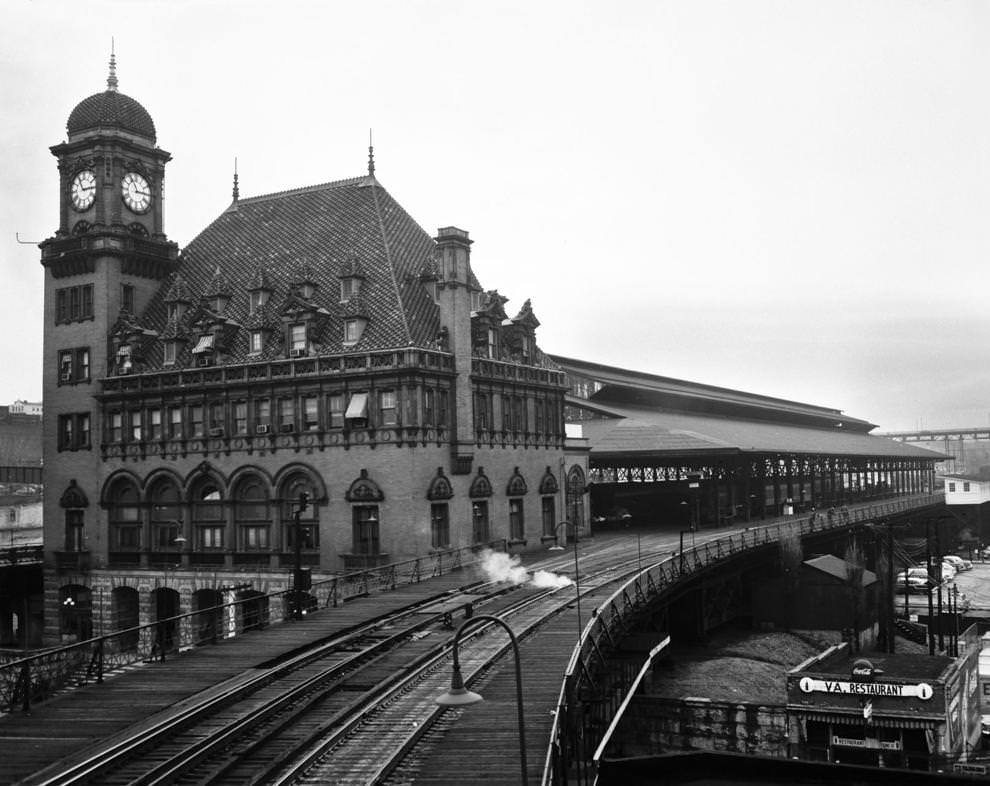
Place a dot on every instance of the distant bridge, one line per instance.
(980, 432)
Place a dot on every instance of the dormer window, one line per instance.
(306, 289)
(297, 339)
(170, 353)
(476, 301)
(258, 299)
(256, 342)
(349, 287)
(174, 311)
(218, 303)
(353, 328)
(492, 342)
(124, 364)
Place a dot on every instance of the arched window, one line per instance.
(252, 514)
(166, 514)
(125, 518)
(208, 520)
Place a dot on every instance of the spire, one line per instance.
(237, 192)
(112, 79)
(371, 156)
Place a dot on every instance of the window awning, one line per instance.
(358, 406)
(205, 344)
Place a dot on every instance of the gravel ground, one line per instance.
(739, 666)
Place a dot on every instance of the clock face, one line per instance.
(83, 190)
(136, 192)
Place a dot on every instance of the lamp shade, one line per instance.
(458, 695)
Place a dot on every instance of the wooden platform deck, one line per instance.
(68, 726)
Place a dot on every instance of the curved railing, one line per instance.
(576, 733)
(37, 677)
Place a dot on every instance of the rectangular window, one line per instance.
(286, 414)
(442, 408)
(74, 530)
(366, 529)
(254, 537)
(240, 417)
(164, 534)
(74, 303)
(517, 525)
(335, 404)
(61, 306)
(311, 413)
(217, 419)
(297, 338)
(479, 521)
(966, 486)
(126, 538)
(256, 343)
(429, 399)
(196, 421)
(492, 343)
(952, 487)
(73, 365)
(386, 408)
(507, 422)
(155, 424)
(127, 298)
(135, 421)
(549, 516)
(482, 417)
(66, 432)
(352, 331)
(169, 357)
(116, 427)
(82, 431)
(262, 416)
(175, 422)
(439, 525)
(209, 537)
(346, 288)
(257, 299)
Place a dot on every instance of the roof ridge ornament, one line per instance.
(237, 191)
(371, 155)
(112, 78)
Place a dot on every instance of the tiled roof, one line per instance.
(638, 430)
(111, 108)
(313, 232)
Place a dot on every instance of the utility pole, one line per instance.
(931, 611)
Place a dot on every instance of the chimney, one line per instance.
(454, 299)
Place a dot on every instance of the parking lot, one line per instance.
(973, 586)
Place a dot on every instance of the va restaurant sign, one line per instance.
(864, 670)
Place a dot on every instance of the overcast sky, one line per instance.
(787, 198)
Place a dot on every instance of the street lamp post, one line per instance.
(459, 696)
(297, 576)
(577, 575)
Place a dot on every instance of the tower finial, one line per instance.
(371, 155)
(237, 192)
(112, 79)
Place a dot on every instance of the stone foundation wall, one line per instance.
(653, 725)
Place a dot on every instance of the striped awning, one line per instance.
(205, 344)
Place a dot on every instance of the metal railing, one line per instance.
(587, 699)
(37, 677)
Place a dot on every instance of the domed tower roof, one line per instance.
(111, 108)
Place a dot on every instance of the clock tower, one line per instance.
(106, 260)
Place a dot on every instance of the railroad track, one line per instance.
(347, 710)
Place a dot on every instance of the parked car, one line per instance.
(958, 563)
(948, 571)
(915, 574)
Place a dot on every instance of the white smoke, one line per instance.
(499, 566)
(544, 579)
